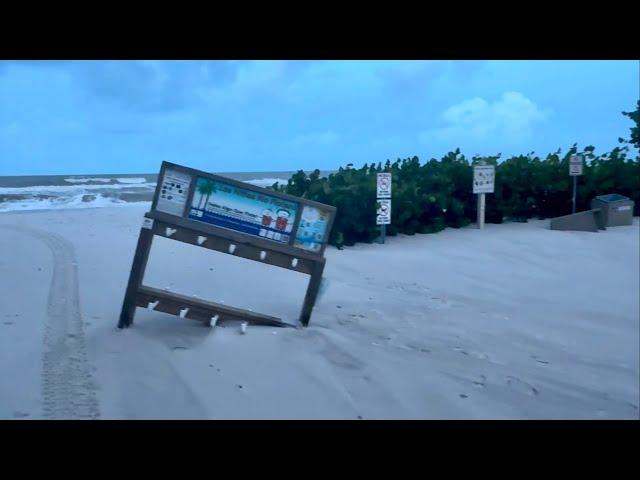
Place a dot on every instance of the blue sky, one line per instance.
(79, 117)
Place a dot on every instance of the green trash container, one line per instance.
(617, 210)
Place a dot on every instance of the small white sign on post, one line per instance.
(384, 212)
(384, 185)
(575, 165)
(484, 178)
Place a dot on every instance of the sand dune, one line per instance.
(515, 321)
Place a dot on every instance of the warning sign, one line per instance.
(384, 185)
(384, 212)
(575, 165)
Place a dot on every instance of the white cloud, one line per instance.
(511, 119)
(321, 138)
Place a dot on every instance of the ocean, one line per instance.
(53, 192)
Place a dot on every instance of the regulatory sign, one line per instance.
(575, 165)
(384, 212)
(175, 190)
(384, 185)
(483, 178)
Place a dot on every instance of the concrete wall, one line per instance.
(589, 221)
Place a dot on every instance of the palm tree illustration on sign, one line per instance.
(205, 189)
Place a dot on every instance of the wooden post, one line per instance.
(480, 218)
(135, 277)
(312, 292)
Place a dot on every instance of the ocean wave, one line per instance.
(128, 191)
(131, 180)
(266, 182)
(87, 180)
(64, 203)
(70, 189)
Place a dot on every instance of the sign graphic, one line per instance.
(384, 212)
(483, 178)
(312, 229)
(575, 165)
(243, 210)
(384, 185)
(174, 192)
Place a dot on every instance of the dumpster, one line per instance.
(616, 209)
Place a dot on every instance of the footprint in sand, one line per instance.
(522, 386)
(540, 361)
(18, 414)
(481, 383)
(8, 323)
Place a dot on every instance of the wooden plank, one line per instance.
(237, 238)
(202, 310)
(140, 258)
(243, 249)
(312, 293)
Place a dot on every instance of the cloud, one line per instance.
(511, 119)
(322, 138)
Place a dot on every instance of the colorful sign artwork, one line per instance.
(312, 229)
(243, 210)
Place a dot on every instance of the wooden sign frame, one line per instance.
(184, 229)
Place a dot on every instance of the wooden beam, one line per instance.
(243, 248)
(201, 310)
(312, 292)
(140, 259)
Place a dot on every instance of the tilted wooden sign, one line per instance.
(231, 217)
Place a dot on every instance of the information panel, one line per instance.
(174, 191)
(575, 165)
(483, 178)
(243, 210)
(312, 229)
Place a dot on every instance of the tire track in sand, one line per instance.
(68, 389)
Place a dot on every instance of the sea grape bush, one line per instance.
(438, 194)
(429, 197)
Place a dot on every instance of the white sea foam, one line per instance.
(63, 203)
(266, 182)
(86, 180)
(68, 189)
(135, 180)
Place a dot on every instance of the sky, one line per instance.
(82, 117)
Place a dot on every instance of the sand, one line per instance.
(512, 322)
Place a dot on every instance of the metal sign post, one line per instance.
(575, 169)
(383, 195)
(480, 214)
(483, 182)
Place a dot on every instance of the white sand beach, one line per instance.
(512, 322)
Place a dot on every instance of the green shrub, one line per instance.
(437, 194)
